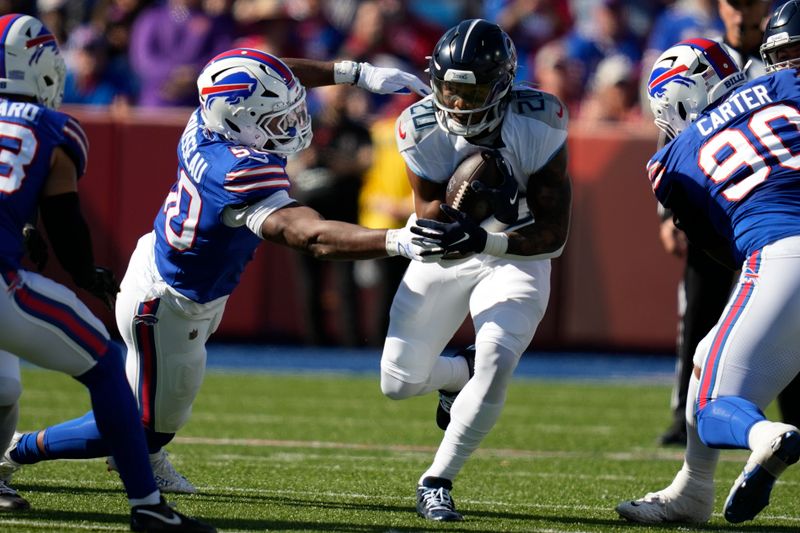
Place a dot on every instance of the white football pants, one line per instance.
(165, 334)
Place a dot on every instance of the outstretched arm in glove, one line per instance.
(381, 80)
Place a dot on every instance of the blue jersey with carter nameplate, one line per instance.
(196, 253)
(738, 164)
(29, 133)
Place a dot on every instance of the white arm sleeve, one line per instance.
(253, 216)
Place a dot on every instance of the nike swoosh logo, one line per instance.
(462, 239)
(560, 111)
(513, 198)
(173, 521)
(400, 131)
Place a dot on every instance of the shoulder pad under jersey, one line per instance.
(255, 176)
(415, 123)
(544, 107)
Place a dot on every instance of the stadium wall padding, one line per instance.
(613, 288)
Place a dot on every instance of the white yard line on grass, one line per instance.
(59, 525)
(642, 454)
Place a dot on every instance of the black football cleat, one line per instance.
(162, 517)
(10, 500)
(434, 501)
(447, 398)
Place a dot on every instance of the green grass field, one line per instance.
(275, 452)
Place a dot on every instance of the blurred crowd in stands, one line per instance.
(590, 53)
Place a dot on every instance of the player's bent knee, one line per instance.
(10, 391)
(396, 389)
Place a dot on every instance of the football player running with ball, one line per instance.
(44, 153)
(504, 280)
(231, 193)
(730, 176)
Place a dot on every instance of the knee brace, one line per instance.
(725, 422)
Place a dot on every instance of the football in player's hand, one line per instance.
(480, 166)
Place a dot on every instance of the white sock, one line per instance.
(151, 499)
(763, 433)
(470, 422)
(700, 461)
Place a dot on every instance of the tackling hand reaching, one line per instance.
(462, 235)
(379, 80)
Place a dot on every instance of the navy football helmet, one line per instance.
(781, 37)
(472, 70)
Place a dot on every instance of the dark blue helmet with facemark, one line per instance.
(472, 70)
(782, 32)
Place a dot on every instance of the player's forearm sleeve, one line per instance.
(69, 236)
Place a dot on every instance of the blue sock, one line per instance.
(725, 422)
(117, 419)
(73, 439)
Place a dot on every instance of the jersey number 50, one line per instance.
(744, 154)
(182, 209)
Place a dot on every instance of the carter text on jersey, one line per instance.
(740, 102)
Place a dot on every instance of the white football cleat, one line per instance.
(7, 465)
(665, 506)
(167, 478)
(751, 490)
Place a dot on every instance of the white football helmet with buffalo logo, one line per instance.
(30, 63)
(254, 99)
(686, 79)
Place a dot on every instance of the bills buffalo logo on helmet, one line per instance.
(44, 40)
(235, 88)
(661, 77)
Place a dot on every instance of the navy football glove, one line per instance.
(104, 286)
(462, 235)
(504, 198)
(35, 246)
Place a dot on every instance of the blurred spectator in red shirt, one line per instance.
(296, 28)
(170, 44)
(387, 27)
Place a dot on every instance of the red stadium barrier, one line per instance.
(614, 287)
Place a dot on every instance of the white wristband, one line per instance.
(496, 243)
(392, 236)
(346, 72)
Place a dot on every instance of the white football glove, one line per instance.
(380, 80)
(403, 242)
(383, 80)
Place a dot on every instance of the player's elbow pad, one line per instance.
(69, 235)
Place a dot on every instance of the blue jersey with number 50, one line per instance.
(738, 164)
(196, 252)
(29, 133)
